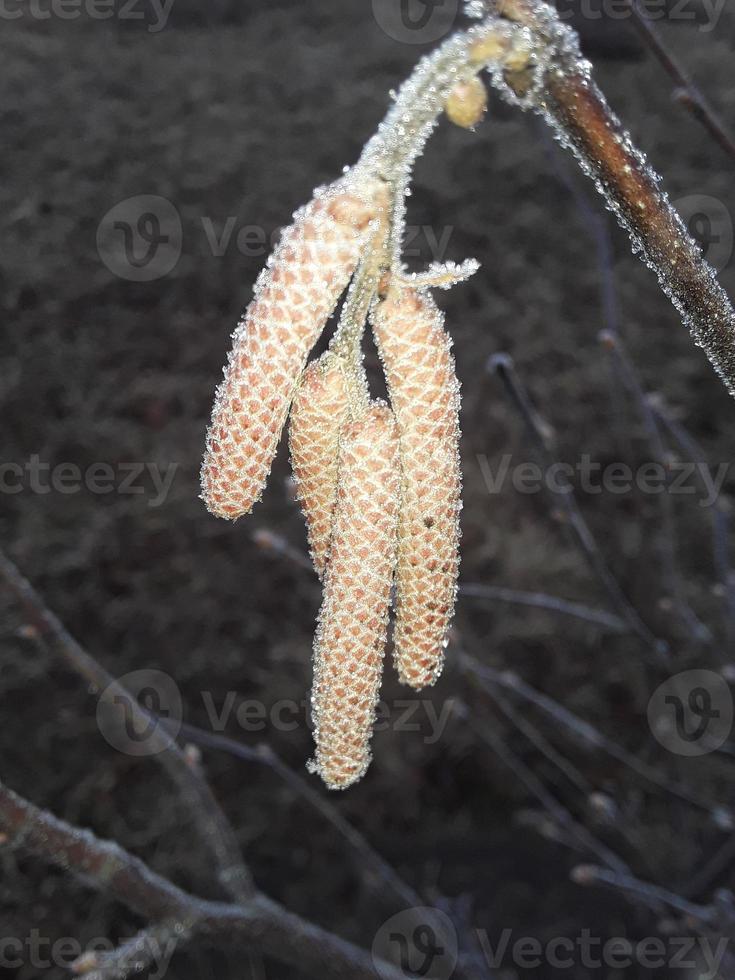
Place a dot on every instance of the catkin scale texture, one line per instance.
(419, 367)
(351, 636)
(294, 298)
(319, 413)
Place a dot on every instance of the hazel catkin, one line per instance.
(424, 392)
(293, 300)
(319, 413)
(350, 641)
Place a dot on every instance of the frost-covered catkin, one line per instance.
(319, 413)
(350, 641)
(293, 300)
(424, 392)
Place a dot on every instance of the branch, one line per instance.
(539, 600)
(211, 822)
(686, 92)
(571, 103)
(503, 366)
(259, 923)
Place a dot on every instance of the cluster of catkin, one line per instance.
(379, 484)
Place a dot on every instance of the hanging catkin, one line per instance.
(294, 298)
(319, 413)
(350, 641)
(424, 393)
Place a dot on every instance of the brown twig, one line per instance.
(259, 922)
(570, 101)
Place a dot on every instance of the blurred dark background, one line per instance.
(233, 112)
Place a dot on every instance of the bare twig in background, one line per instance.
(539, 600)
(668, 538)
(652, 896)
(259, 922)
(502, 365)
(720, 514)
(378, 870)
(211, 822)
(686, 93)
(583, 731)
(373, 868)
(575, 835)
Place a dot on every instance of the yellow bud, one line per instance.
(519, 55)
(489, 48)
(467, 103)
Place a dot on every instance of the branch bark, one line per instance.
(570, 101)
(259, 923)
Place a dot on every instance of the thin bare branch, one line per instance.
(195, 792)
(651, 896)
(539, 600)
(576, 836)
(503, 366)
(258, 923)
(686, 93)
(668, 538)
(584, 733)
